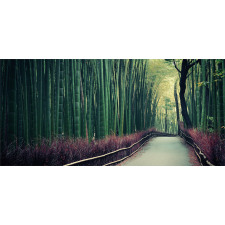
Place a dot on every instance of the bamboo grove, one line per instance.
(166, 117)
(74, 98)
(205, 95)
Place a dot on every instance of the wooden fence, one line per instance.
(201, 156)
(117, 156)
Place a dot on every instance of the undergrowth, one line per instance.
(66, 150)
(211, 144)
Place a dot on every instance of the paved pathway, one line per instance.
(161, 151)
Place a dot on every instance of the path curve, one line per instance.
(163, 151)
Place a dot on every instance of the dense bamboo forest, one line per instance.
(205, 95)
(47, 103)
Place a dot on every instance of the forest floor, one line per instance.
(163, 151)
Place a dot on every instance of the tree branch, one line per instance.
(176, 66)
(189, 74)
(192, 64)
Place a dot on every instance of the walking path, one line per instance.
(162, 151)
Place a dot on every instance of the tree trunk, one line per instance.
(177, 105)
(223, 68)
(183, 79)
(12, 101)
(214, 95)
(61, 93)
(203, 118)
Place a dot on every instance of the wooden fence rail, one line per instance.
(201, 156)
(117, 156)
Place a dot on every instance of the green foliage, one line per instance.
(210, 95)
(203, 83)
(76, 98)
